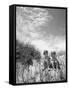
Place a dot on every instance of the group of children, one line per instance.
(51, 62)
(34, 72)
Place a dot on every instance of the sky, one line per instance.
(42, 27)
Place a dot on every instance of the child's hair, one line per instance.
(46, 51)
(53, 53)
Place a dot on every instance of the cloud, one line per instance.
(29, 23)
(54, 43)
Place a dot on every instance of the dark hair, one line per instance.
(46, 51)
(54, 53)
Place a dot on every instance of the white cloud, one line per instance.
(52, 44)
(28, 29)
(29, 20)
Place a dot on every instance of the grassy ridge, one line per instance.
(25, 52)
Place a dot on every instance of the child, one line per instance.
(47, 60)
(55, 61)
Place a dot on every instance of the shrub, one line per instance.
(25, 52)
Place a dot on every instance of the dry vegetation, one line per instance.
(30, 66)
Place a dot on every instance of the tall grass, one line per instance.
(27, 72)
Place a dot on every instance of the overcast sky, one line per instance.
(42, 27)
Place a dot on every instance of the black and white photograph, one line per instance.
(34, 44)
(40, 45)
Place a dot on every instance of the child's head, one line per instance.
(53, 54)
(45, 53)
